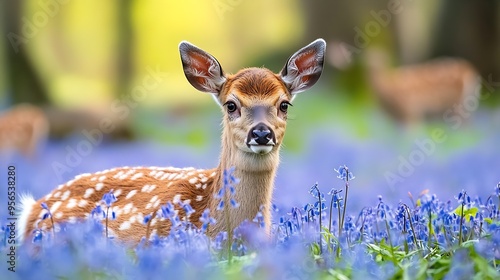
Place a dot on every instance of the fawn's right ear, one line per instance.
(202, 70)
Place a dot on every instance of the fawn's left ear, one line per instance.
(304, 67)
(202, 70)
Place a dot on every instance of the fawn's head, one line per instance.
(254, 100)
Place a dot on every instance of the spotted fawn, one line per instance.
(254, 104)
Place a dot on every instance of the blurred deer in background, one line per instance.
(412, 93)
(254, 103)
(22, 128)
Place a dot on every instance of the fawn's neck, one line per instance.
(255, 188)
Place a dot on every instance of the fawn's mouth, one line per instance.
(260, 149)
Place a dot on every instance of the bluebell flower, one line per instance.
(188, 209)
(206, 220)
(220, 206)
(98, 211)
(344, 174)
(167, 210)
(220, 193)
(463, 198)
(275, 208)
(259, 219)
(295, 212)
(176, 221)
(47, 213)
(219, 240)
(228, 186)
(146, 219)
(239, 248)
(155, 240)
(336, 199)
(317, 206)
(37, 235)
(233, 203)
(314, 191)
(109, 198)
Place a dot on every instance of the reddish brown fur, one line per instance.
(257, 81)
(22, 128)
(250, 90)
(413, 93)
(165, 189)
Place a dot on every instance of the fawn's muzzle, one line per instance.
(261, 139)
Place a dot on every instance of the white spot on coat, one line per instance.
(88, 192)
(125, 225)
(127, 208)
(65, 195)
(157, 203)
(71, 203)
(82, 203)
(99, 186)
(130, 194)
(193, 180)
(118, 174)
(117, 192)
(55, 206)
(148, 188)
(137, 176)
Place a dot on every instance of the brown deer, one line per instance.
(22, 128)
(413, 93)
(254, 103)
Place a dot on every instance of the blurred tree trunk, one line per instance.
(338, 19)
(23, 82)
(125, 41)
(470, 29)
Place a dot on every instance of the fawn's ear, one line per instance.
(304, 67)
(202, 70)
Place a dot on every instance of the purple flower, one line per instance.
(147, 218)
(206, 220)
(259, 219)
(109, 198)
(344, 174)
(47, 214)
(188, 209)
(228, 186)
(167, 210)
(98, 211)
(37, 235)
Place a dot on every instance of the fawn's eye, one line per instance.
(231, 106)
(284, 106)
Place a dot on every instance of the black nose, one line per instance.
(262, 134)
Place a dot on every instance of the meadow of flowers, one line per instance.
(330, 220)
(427, 238)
